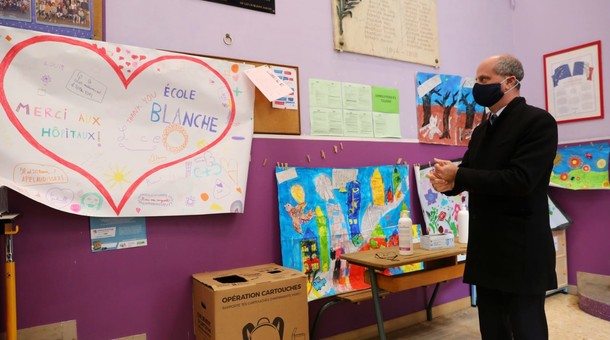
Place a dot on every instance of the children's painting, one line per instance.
(106, 130)
(327, 212)
(469, 113)
(446, 110)
(440, 211)
(581, 167)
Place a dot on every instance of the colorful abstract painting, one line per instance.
(440, 211)
(581, 167)
(446, 110)
(327, 212)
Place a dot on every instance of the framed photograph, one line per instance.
(74, 18)
(573, 83)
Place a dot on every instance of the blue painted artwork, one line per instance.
(327, 212)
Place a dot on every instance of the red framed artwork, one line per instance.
(573, 83)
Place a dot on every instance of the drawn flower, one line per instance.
(575, 162)
(601, 163)
(563, 176)
(558, 159)
(431, 196)
(442, 215)
(46, 79)
(586, 168)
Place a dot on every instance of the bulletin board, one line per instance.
(267, 119)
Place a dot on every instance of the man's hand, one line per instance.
(443, 175)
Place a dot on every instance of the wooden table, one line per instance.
(439, 265)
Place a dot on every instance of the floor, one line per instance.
(566, 322)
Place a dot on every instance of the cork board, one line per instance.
(270, 120)
(267, 119)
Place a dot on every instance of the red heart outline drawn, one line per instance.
(14, 51)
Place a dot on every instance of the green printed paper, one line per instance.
(385, 100)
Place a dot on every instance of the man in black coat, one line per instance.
(506, 171)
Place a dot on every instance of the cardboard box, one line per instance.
(437, 241)
(260, 302)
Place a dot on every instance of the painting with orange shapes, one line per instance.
(446, 111)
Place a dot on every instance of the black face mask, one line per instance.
(487, 94)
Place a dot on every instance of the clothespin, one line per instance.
(341, 145)
(322, 154)
(265, 162)
(308, 159)
(335, 148)
(399, 160)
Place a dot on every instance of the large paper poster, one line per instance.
(101, 129)
(326, 212)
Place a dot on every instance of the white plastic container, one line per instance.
(405, 234)
(463, 224)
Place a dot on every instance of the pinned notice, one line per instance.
(268, 83)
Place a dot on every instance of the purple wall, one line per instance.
(147, 290)
(588, 238)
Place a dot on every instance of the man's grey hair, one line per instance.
(508, 65)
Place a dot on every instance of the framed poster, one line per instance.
(573, 83)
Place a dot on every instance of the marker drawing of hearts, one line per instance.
(14, 96)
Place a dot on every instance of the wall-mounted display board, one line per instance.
(401, 30)
(282, 116)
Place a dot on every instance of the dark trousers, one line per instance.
(507, 316)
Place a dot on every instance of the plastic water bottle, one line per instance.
(405, 234)
(463, 223)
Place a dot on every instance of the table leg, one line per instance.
(376, 298)
(431, 302)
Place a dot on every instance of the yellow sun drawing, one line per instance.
(117, 177)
